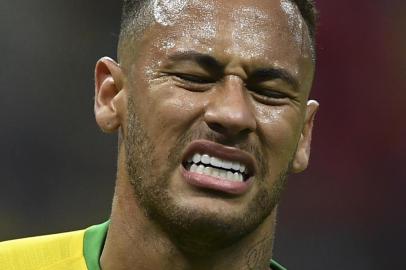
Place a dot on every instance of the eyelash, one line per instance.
(193, 79)
(263, 95)
(269, 93)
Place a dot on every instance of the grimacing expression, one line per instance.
(233, 73)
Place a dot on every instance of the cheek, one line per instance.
(172, 112)
(280, 129)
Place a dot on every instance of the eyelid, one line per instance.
(268, 91)
(270, 101)
(260, 95)
(194, 78)
(274, 94)
(186, 84)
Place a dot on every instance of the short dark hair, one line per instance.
(133, 10)
(309, 13)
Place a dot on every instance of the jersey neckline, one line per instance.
(93, 244)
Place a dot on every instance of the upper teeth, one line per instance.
(217, 162)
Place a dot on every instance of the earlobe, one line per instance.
(302, 156)
(108, 92)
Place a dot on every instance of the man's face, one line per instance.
(217, 102)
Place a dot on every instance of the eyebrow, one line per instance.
(204, 60)
(209, 62)
(276, 73)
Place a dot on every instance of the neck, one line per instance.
(135, 242)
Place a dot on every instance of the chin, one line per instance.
(203, 223)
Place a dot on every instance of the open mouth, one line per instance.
(213, 160)
(213, 166)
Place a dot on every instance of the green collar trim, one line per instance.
(95, 237)
(276, 266)
(93, 244)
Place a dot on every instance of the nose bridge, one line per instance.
(229, 110)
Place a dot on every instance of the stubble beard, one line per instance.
(194, 231)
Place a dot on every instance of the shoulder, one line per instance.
(57, 251)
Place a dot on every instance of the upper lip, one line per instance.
(223, 152)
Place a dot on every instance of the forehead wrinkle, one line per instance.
(202, 59)
(205, 8)
(189, 32)
(245, 34)
(202, 22)
(199, 28)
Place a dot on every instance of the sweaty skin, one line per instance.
(228, 72)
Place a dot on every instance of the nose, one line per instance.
(228, 111)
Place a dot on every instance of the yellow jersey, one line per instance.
(78, 250)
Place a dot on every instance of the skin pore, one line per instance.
(232, 74)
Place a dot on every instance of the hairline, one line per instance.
(138, 20)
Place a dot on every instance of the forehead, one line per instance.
(250, 30)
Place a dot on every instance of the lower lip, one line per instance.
(217, 184)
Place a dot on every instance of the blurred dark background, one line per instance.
(347, 211)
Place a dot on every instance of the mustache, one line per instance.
(242, 142)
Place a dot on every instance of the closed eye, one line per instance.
(269, 96)
(194, 78)
(270, 93)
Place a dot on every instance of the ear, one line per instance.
(301, 159)
(108, 94)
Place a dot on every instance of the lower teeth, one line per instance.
(215, 172)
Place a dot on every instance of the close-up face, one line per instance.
(218, 110)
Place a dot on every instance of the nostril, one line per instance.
(228, 131)
(217, 127)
